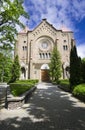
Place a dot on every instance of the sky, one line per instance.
(68, 13)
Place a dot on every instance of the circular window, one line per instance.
(44, 45)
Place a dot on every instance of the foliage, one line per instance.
(29, 81)
(75, 68)
(10, 12)
(18, 88)
(5, 68)
(55, 65)
(79, 91)
(15, 70)
(83, 70)
(64, 84)
(21, 86)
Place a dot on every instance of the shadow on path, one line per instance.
(48, 109)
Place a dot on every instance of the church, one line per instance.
(34, 48)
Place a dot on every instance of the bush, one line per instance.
(64, 82)
(29, 81)
(21, 86)
(65, 85)
(79, 91)
(17, 89)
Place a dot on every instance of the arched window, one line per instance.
(46, 55)
(43, 56)
(40, 55)
(65, 47)
(49, 55)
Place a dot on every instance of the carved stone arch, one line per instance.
(23, 71)
(66, 69)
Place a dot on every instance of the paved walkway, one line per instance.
(48, 109)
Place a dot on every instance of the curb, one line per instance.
(17, 102)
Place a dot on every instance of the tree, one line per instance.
(83, 70)
(75, 68)
(15, 69)
(55, 65)
(5, 68)
(10, 12)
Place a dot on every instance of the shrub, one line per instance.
(64, 82)
(17, 89)
(21, 86)
(65, 85)
(79, 91)
(29, 81)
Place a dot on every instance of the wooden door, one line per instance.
(45, 76)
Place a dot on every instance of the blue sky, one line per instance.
(69, 13)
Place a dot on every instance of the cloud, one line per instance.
(56, 12)
(81, 50)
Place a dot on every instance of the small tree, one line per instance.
(75, 68)
(5, 68)
(15, 69)
(55, 65)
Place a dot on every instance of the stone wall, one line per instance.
(17, 102)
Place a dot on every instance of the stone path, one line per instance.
(48, 109)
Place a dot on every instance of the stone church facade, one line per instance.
(34, 49)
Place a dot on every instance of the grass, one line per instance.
(64, 84)
(21, 86)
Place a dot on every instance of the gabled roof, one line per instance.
(45, 21)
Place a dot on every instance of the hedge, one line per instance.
(29, 81)
(65, 85)
(79, 91)
(21, 86)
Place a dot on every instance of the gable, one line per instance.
(45, 27)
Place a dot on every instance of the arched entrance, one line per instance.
(45, 73)
(23, 73)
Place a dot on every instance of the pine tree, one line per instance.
(55, 65)
(15, 70)
(75, 68)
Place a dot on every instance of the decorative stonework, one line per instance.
(44, 27)
(35, 47)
